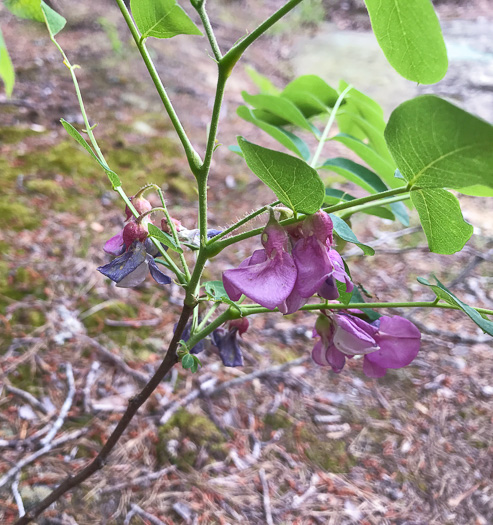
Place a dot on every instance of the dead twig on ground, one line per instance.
(67, 405)
(29, 398)
(266, 497)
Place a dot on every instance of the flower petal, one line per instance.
(227, 343)
(318, 354)
(329, 290)
(293, 303)
(313, 265)
(157, 274)
(115, 246)
(399, 342)
(268, 283)
(136, 277)
(335, 358)
(372, 370)
(125, 264)
(353, 336)
(339, 271)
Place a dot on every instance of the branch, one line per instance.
(170, 359)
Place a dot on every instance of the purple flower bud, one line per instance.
(134, 231)
(225, 339)
(140, 204)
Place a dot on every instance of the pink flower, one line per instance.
(388, 342)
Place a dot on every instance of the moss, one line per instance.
(331, 455)
(116, 311)
(280, 354)
(14, 134)
(275, 421)
(32, 318)
(18, 216)
(50, 188)
(193, 432)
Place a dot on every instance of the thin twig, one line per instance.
(29, 398)
(67, 405)
(170, 359)
(139, 480)
(91, 378)
(266, 497)
(141, 512)
(17, 496)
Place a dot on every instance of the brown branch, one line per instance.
(170, 359)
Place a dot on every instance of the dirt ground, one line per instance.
(278, 441)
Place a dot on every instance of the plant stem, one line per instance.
(397, 198)
(249, 310)
(208, 315)
(192, 156)
(230, 313)
(170, 359)
(234, 54)
(220, 245)
(239, 223)
(174, 234)
(209, 31)
(328, 127)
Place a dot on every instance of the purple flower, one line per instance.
(389, 342)
(225, 339)
(132, 267)
(267, 276)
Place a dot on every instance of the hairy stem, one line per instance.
(170, 359)
(208, 30)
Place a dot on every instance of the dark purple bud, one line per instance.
(226, 342)
(134, 231)
(185, 336)
(212, 233)
(157, 274)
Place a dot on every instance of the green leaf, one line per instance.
(384, 167)
(263, 83)
(7, 73)
(409, 34)
(440, 290)
(345, 233)
(310, 94)
(442, 221)
(114, 179)
(187, 361)
(162, 19)
(362, 118)
(295, 183)
(30, 9)
(215, 290)
(280, 107)
(356, 173)
(477, 190)
(54, 22)
(438, 145)
(196, 364)
(344, 297)
(287, 139)
(162, 237)
(373, 315)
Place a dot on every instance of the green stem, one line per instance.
(253, 309)
(245, 219)
(328, 127)
(234, 54)
(220, 245)
(192, 156)
(368, 198)
(209, 31)
(208, 315)
(174, 233)
(230, 313)
(397, 198)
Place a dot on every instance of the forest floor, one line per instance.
(278, 441)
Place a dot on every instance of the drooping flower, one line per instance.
(225, 339)
(132, 267)
(267, 276)
(388, 342)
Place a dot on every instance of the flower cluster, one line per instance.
(388, 342)
(294, 264)
(134, 251)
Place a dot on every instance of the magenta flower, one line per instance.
(267, 276)
(388, 342)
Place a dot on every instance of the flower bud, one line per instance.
(134, 231)
(140, 204)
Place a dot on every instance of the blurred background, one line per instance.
(280, 440)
